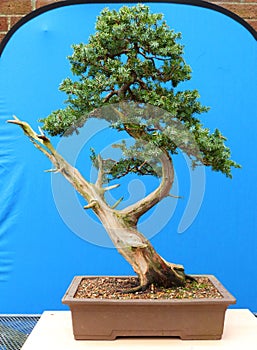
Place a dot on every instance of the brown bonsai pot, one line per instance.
(105, 319)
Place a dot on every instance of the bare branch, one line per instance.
(173, 196)
(99, 181)
(111, 187)
(51, 171)
(93, 203)
(139, 208)
(44, 145)
(117, 203)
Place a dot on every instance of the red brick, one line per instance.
(220, 2)
(247, 1)
(19, 7)
(253, 24)
(3, 24)
(246, 11)
(40, 3)
(14, 19)
(2, 35)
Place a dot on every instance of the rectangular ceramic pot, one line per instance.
(185, 318)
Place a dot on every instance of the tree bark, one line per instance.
(141, 207)
(138, 251)
(121, 225)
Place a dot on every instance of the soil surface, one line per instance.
(115, 287)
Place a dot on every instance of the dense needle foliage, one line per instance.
(135, 58)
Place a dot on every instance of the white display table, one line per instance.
(54, 332)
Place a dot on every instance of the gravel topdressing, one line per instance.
(111, 287)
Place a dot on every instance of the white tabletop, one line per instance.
(54, 332)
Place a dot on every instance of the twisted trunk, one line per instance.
(121, 225)
(138, 251)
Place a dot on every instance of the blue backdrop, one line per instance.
(41, 244)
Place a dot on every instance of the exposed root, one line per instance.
(140, 288)
(190, 278)
(143, 287)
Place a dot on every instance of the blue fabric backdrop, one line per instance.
(39, 252)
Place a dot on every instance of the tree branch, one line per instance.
(142, 206)
(139, 208)
(99, 181)
(93, 203)
(111, 187)
(108, 97)
(114, 206)
(42, 143)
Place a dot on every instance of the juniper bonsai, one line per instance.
(128, 74)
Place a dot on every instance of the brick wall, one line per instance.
(12, 10)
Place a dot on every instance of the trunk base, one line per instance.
(151, 268)
(142, 288)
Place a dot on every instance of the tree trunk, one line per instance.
(121, 225)
(138, 251)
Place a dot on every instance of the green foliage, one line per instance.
(135, 57)
(117, 169)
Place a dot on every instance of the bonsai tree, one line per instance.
(128, 74)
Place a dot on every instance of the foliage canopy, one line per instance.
(134, 57)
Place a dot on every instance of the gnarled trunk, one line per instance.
(121, 225)
(138, 251)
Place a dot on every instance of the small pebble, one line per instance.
(109, 288)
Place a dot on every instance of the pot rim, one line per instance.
(226, 299)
